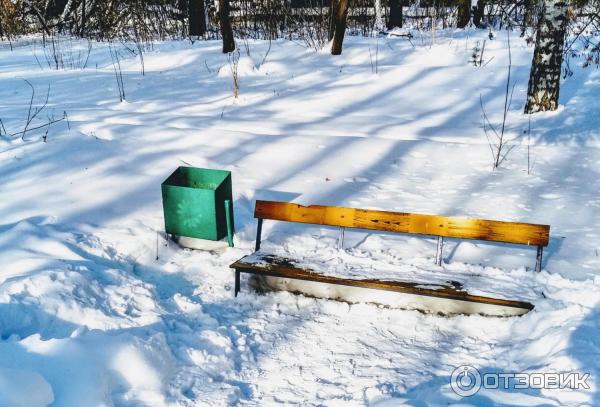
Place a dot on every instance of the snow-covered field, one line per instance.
(90, 317)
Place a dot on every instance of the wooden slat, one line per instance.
(279, 267)
(464, 228)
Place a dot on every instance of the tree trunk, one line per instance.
(478, 13)
(464, 13)
(544, 79)
(83, 18)
(339, 27)
(225, 23)
(68, 6)
(379, 25)
(197, 19)
(529, 12)
(332, 8)
(395, 18)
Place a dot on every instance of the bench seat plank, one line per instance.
(270, 265)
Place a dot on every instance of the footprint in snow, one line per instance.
(356, 179)
(549, 196)
(418, 155)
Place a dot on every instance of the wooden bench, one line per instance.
(440, 226)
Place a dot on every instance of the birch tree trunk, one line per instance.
(379, 25)
(225, 23)
(83, 18)
(339, 24)
(544, 79)
(66, 10)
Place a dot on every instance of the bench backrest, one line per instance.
(464, 228)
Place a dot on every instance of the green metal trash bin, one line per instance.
(197, 203)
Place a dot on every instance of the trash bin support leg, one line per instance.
(228, 219)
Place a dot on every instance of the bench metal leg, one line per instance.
(258, 235)
(538, 258)
(341, 238)
(438, 254)
(237, 282)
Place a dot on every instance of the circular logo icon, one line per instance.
(465, 380)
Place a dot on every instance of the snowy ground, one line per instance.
(88, 316)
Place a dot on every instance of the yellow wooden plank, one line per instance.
(455, 227)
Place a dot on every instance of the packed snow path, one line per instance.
(88, 316)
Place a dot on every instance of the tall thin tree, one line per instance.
(1, 12)
(544, 78)
(478, 13)
(395, 17)
(197, 19)
(83, 18)
(339, 26)
(379, 25)
(333, 4)
(463, 13)
(528, 15)
(225, 24)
